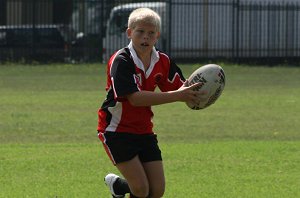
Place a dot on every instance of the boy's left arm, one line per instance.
(174, 80)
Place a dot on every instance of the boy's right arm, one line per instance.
(149, 98)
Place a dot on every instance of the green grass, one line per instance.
(245, 145)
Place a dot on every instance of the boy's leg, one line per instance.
(117, 186)
(135, 175)
(155, 174)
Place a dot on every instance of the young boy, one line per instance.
(125, 126)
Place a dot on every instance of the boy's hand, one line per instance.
(190, 94)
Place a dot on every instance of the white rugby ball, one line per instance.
(213, 78)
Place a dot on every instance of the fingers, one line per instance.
(186, 83)
(199, 98)
(193, 93)
(196, 88)
(198, 84)
(201, 93)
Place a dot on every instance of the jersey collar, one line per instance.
(139, 63)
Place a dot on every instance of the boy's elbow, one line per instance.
(133, 100)
(134, 103)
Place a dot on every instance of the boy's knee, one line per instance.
(157, 193)
(157, 190)
(140, 190)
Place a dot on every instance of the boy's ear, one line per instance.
(128, 32)
(158, 35)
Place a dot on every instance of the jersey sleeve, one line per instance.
(123, 77)
(175, 78)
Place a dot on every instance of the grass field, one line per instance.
(247, 145)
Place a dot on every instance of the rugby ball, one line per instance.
(213, 78)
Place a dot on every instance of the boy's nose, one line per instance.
(146, 36)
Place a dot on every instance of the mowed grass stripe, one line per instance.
(213, 169)
(245, 145)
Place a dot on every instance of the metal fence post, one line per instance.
(169, 16)
(237, 38)
(33, 28)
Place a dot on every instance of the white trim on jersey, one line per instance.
(174, 77)
(139, 63)
(116, 111)
(154, 60)
(138, 80)
(166, 56)
(113, 87)
(177, 74)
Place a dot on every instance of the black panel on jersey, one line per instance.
(122, 72)
(173, 70)
(109, 102)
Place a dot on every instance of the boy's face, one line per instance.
(143, 36)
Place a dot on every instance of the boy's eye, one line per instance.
(149, 33)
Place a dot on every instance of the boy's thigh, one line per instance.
(155, 174)
(134, 173)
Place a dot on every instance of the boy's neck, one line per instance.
(146, 60)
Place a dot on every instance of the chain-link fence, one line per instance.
(193, 30)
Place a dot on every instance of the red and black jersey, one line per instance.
(126, 75)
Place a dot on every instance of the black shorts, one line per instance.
(122, 147)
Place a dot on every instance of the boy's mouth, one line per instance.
(145, 44)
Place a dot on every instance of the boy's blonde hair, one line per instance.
(144, 15)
